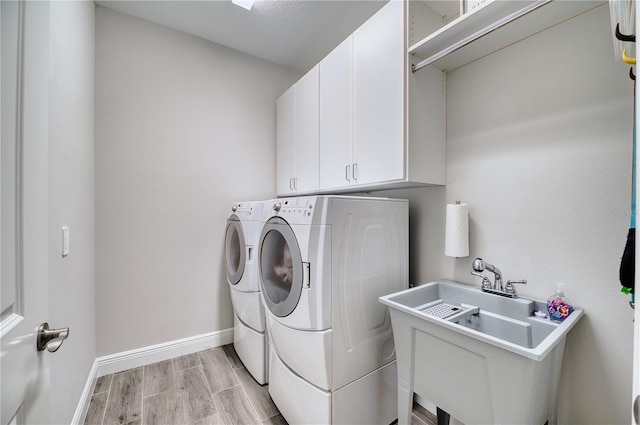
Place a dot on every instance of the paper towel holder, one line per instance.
(457, 230)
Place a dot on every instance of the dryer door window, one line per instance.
(234, 249)
(281, 268)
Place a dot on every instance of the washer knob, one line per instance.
(234, 207)
(277, 206)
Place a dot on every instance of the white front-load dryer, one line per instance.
(324, 262)
(241, 251)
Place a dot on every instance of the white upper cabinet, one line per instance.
(379, 57)
(285, 141)
(366, 139)
(362, 104)
(307, 131)
(336, 116)
(298, 136)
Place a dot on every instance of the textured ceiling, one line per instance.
(293, 33)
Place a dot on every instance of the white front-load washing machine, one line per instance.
(324, 261)
(241, 253)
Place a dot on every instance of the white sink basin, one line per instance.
(508, 323)
(480, 357)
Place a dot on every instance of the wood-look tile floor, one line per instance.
(210, 387)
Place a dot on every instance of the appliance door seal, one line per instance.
(281, 267)
(234, 250)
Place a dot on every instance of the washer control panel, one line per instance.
(292, 208)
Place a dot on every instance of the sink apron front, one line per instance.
(472, 380)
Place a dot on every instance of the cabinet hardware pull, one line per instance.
(347, 172)
(355, 171)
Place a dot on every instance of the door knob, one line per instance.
(51, 339)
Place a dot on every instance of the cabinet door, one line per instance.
(378, 95)
(285, 141)
(336, 116)
(307, 131)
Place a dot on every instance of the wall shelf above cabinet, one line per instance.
(491, 27)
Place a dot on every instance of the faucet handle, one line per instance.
(510, 289)
(486, 283)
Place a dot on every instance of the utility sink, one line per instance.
(508, 323)
(480, 357)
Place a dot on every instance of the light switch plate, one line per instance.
(65, 241)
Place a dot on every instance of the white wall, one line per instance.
(539, 144)
(184, 127)
(71, 200)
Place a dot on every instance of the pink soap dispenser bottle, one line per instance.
(558, 305)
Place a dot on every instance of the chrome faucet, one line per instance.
(479, 265)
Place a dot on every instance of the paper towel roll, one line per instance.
(456, 240)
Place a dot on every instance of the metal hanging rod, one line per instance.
(479, 34)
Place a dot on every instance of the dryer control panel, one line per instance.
(245, 209)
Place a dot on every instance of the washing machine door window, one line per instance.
(281, 267)
(234, 249)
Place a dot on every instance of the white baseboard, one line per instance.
(85, 398)
(125, 360)
(118, 362)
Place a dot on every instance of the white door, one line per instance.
(635, 396)
(24, 370)
(636, 363)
